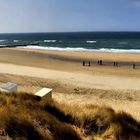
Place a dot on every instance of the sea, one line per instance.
(120, 42)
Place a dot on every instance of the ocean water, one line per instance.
(128, 42)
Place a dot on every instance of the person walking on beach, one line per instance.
(114, 63)
(101, 62)
(83, 63)
(89, 64)
(134, 66)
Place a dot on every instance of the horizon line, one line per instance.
(71, 32)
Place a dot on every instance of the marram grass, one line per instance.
(23, 116)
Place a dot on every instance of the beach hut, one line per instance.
(44, 93)
(8, 87)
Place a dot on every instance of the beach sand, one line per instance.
(118, 87)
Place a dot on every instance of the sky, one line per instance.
(69, 15)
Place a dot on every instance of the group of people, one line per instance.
(84, 63)
(100, 62)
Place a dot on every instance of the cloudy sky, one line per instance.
(69, 15)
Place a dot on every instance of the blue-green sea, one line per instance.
(128, 42)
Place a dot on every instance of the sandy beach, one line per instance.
(118, 87)
(69, 70)
(74, 78)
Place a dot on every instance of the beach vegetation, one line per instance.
(24, 116)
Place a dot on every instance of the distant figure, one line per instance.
(83, 63)
(98, 62)
(114, 64)
(101, 62)
(89, 64)
(134, 66)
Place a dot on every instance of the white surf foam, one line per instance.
(119, 50)
(2, 40)
(2, 45)
(103, 50)
(53, 48)
(91, 41)
(15, 41)
(49, 41)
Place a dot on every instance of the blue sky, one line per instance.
(69, 15)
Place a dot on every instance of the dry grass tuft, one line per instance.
(23, 116)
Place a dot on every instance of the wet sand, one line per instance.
(72, 61)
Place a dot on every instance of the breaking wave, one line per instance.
(112, 50)
(50, 41)
(15, 41)
(91, 41)
(2, 40)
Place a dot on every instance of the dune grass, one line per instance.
(23, 116)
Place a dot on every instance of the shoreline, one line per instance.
(68, 49)
(73, 61)
(84, 54)
(36, 46)
(65, 61)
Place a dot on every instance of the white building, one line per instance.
(8, 87)
(44, 93)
